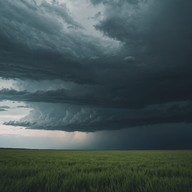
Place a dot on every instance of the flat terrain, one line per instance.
(95, 171)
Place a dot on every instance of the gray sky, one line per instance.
(96, 74)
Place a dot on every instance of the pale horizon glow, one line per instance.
(46, 139)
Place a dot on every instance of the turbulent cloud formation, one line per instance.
(40, 40)
(65, 116)
(127, 64)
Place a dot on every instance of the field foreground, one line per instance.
(95, 171)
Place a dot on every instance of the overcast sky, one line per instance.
(96, 74)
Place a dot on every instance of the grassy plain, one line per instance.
(95, 171)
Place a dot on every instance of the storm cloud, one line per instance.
(40, 40)
(128, 66)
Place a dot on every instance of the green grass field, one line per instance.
(95, 171)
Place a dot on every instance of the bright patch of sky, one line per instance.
(8, 84)
(14, 111)
(19, 137)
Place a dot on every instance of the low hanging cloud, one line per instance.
(136, 71)
(87, 119)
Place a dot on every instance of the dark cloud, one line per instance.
(97, 97)
(145, 81)
(69, 117)
(157, 33)
(36, 43)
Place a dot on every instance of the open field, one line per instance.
(95, 171)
